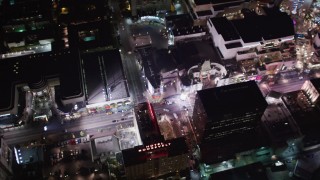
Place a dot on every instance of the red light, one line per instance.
(151, 111)
(154, 146)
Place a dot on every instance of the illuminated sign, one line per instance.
(90, 38)
(151, 111)
(154, 146)
(4, 115)
(18, 155)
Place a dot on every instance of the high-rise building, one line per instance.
(156, 158)
(163, 158)
(304, 107)
(147, 124)
(249, 36)
(249, 172)
(75, 11)
(209, 8)
(5, 160)
(228, 116)
(140, 7)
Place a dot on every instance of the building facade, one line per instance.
(5, 161)
(156, 159)
(139, 7)
(246, 38)
(225, 116)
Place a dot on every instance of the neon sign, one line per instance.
(154, 146)
(151, 111)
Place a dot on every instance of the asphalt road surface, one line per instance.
(91, 124)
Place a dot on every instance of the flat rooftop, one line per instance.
(255, 28)
(225, 28)
(179, 21)
(104, 76)
(233, 45)
(216, 2)
(282, 21)
(13, 71)
(93, 79)
(140, 154)
(151, 70)
(202, 2)
(29, 155)
(305, 113)
(220, 7)
(249, 172)
(21, 9)
(248, 29)
(192, 53)
(116, 81)
(147, 123)
(235, 98)
(226, 148)
(164, 60)
(188, 30)
(90, 35)
(204, 13)
(316, 84)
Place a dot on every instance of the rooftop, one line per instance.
(216, 2)
(151, 70)
(90, 35)
(255, 28)
(101, 84)
(147, 123)
(64, 65)
(192, 53)
(188, 30)
(17, 10)
(281, 20)
(178, 21)
(82, 10)
(70, 77)
(305, 113)
(28, 155)
(248, 29)
(94, 79)
(233, 45)
(222, 6)
(141, 154)
(164, 60)
(201, 2)
(316, 84)
(236, 98)
(225, 28)
(249, 172)
(204, 13)
(226, 148)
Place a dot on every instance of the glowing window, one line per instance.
(64, 10)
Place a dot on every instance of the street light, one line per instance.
(183, 96)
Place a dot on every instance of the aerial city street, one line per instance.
(170, 89)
